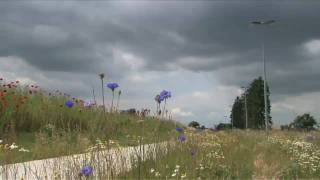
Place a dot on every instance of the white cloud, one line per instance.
(201, 95)
(16, 68)
(299, 104)
(313, 46)
(179, 112)
(127, 60)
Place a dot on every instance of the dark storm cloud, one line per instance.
(197, 36)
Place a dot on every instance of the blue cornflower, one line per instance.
(165, 94)
(69, 104)
(161, 98)
(182, 138)
(179, 129)
(112, 86)
(87, 170)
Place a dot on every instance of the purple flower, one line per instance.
(179, 129)
(182, 138)
(161, 98)
(165, 95)
(86, 170)
(69, 104)
(112, 86)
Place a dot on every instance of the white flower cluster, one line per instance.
(213, 161)
(13, 146)
(176, 171)
(215, 155)
(305, 154)
(102, 145)
(154, 172)
(175, 174)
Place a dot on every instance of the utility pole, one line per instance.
(245, 105)
(266, 114)
(94, 97)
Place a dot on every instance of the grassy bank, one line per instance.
(236, 155)
(42, 125)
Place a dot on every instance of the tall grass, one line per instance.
(41, 122)
(236, 155)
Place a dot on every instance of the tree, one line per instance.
(223, 126)
(255, 105)
(237, 113)
(305, 121)
(194, 124)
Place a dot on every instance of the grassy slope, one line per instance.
(236, 155)
(43, 124)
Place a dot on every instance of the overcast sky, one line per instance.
(201, 51)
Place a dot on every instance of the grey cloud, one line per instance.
(198, 36)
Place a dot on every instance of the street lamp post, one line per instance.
(245, 105)
(266, 115)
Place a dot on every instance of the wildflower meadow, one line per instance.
(78, 139)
